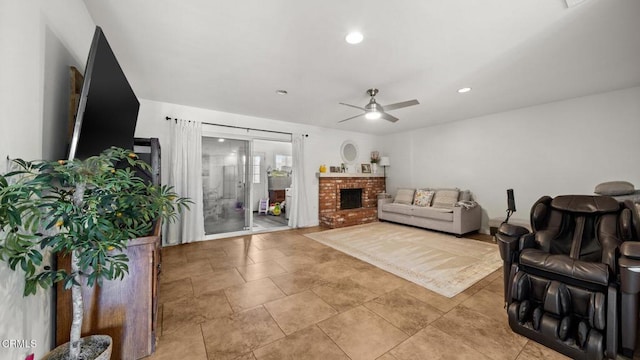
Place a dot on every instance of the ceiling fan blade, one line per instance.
(401, 104)
(353, 117)
(388, 117)
(353, 106)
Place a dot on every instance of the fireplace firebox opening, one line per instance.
(350, 199)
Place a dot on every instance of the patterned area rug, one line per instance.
(440, 262)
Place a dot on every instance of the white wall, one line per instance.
(566, 147)
(34, 36)
(322, 146)
(21, 69)
(55, 114)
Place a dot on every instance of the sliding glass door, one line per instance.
(271, 183)
(225, 179)
(246, 177)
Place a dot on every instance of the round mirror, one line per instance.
(349, 152)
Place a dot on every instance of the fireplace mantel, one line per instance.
(347, 175)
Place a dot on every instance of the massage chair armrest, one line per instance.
(508, 237)
(629, 268)
(629, 264)
(630, 249)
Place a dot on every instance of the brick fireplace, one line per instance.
(334, 186)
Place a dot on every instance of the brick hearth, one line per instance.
(329, 208)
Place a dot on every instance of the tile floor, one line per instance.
(284, 296)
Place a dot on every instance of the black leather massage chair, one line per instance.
(572, 283)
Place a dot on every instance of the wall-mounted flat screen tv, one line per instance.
(108, 108)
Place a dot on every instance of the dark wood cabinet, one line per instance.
(124, 309)
(276, 196)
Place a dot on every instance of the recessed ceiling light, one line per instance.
(354, 37)
(220, 140)
(281, 92)
(464, 90)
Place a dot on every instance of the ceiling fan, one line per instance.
(373, 110)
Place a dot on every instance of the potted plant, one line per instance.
(87, 209)
(375, 159)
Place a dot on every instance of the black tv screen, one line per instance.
(108, 108)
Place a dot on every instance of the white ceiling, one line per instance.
(232, 55)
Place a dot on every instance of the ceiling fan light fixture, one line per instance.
(464, 90)
(373, 115)
(354, 37)
(373, 110)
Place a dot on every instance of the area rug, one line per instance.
(439, 262)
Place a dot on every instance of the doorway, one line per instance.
(271, 183)
(224, 183)
(238, 175)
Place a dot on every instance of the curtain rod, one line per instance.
(242, 128)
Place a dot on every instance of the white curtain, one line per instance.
(185, 175)
(300, 208)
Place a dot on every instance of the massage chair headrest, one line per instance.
(628, 219)
(588, 204)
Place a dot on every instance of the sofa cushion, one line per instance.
(404, 196)
(398, 208)
(465, 195)
(423, 197)
(445, 198)
(433, 213)
(426, 212)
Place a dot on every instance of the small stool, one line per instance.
(263, 206)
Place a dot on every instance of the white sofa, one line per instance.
(449, 210)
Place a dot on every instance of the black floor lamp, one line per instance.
(384, 162)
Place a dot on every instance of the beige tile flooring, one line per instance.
(284, 296)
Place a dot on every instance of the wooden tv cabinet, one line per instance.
(124, 309)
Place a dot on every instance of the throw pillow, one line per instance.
(446, 199)
(404, 196)
(423, 197)
(613, 188)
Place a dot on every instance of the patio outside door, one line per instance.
(225, 171)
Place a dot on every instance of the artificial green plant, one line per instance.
(87, 209)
